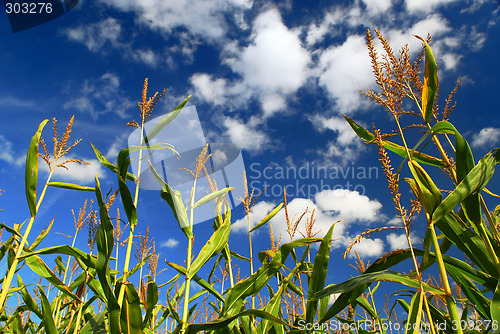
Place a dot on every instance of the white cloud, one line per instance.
(428, 6)
(349, 205)
(399, 241)
(375, 7)
(329, 207)
(486, 137)
(368, 248)
(344, 71)
(96, 35)
(79, 173)
(244, 135)
(271, 66)
(170, 243)
(7, 153)
(200, 17)
(259, 211)
(100, 96)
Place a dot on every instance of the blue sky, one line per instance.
(270, 77)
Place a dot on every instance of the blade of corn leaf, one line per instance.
(475, 180)
(31, 173)
(464, 164)
(318, 276)
(70, 186)
(50, 326)
(96, 325)
(174, 200)
(365, 305)
(151, 301)
(424, 188)
(105, 243)
(223, 322)
(102, 159)
(273, 308)
(166, 120)
(212, 196)
(495, 308)
(197, 279)
(41, 236)
(415, 313)
(384, 275)
(135, 268)
(367, 136)
(123, 163)
(39, 267)
(268, 217)
(131, 317)
(213, 246)
(430, 87)
(28, 300)
(478, 300)
(87, 259)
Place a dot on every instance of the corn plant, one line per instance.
(462, 217)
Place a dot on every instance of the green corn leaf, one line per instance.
(105, 243)
(384, 275)
(130, 317)
(415, 313)
(495, 308)
(70, 186)
(49, 325)
(81, 256)
(475, 297)
(268, 217)
(318, 276)
(151, 301)
(212, 196)
(424, 188)
(207, 286)
(273, 308)
(127, 200)
(39, 267)
(213, 246)
(224, 322)
(174, 200)
(41, 236)
(429, 90)
(31, 174)
(369, 137)
(165, 121)
(102, 159)
(96, 325)
(28, 300)
(474, 182)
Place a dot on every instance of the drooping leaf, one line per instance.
(420, 157)
(70, 186)
(212, 196)
(102, 159)
(268, 217)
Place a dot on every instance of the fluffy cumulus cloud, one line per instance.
(245, 136)
(400, 241)
(273, 65)
(170, 243)
(341, 207)
(344, 69)
(487, 137)
(423, 7)
(100, 96)
(368, 248)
